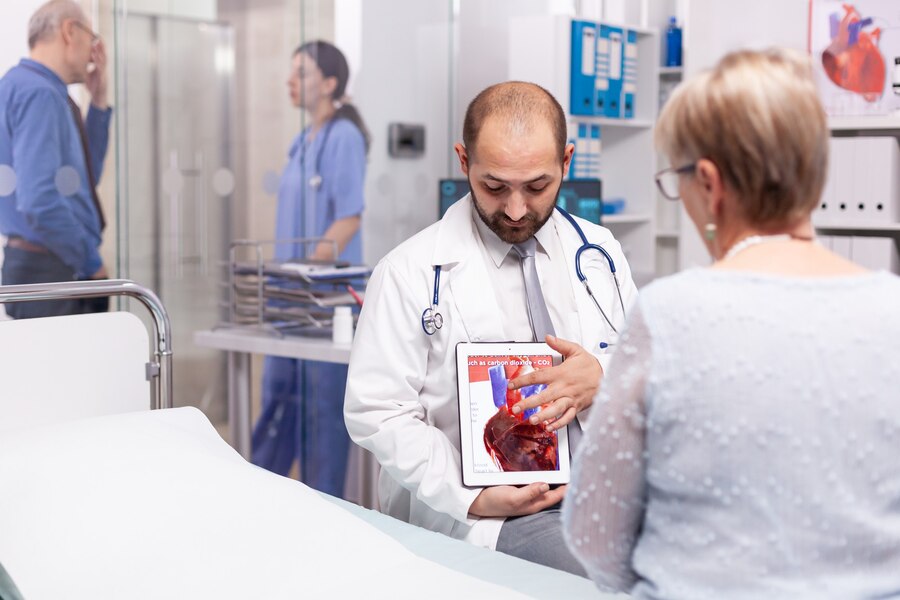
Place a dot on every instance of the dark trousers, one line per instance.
(24, 267)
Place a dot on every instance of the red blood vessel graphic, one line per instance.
(513, 442)
(852, 60)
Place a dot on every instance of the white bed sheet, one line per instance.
(157, 505)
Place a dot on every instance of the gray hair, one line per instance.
(47, 19)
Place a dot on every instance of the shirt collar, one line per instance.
(498, 249)
(44, 70)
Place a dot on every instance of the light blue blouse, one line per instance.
(338, 155)
(747, 442)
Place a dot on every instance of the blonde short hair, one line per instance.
(757, 116)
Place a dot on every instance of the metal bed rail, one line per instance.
(159, 370)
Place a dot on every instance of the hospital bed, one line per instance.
(102, 498)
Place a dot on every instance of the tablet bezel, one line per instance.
(470, 478)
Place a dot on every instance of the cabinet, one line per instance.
(668, 212)
(850, 234)
(540, 50)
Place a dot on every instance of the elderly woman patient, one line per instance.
(749, 441)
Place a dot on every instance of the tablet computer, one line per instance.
(498, 447)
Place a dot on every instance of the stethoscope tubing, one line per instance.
(431, 317)
(315, 179)
(432, 320)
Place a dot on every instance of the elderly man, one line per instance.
(53, 220)
(401, 400)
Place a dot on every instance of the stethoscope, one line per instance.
(315, 180)
(432, 319)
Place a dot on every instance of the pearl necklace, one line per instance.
(753, 240)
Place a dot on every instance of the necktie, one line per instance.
(538, 316)
(92, 182)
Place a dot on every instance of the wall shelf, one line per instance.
(861, 229)
(607, 122)
(864, 123)
(540, 50)
(624, 219)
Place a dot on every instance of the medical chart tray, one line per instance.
(293, 296)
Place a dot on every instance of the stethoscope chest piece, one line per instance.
(431, 321)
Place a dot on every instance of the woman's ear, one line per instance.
(711, 186)
(329, 85)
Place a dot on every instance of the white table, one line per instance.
(240, 344)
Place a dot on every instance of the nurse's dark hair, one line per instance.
(332, 63)
(520, 105)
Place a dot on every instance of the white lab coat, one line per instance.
(401, 400)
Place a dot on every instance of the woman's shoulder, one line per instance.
(709, 286)
(675, 284)
(345, 129)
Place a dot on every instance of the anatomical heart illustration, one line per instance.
(854, 46)
(502, 440)
(512, 441)
(853, 60)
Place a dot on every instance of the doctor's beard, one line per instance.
(499, 222)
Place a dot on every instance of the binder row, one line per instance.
(586, 161)
(603, 73)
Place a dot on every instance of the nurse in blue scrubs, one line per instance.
(320, 195)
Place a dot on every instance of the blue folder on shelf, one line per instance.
(629, 67)
(609, 55)
(583, 68)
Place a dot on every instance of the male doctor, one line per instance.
(401, 399)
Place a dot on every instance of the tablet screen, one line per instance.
(500, 447)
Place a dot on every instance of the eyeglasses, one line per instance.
(95, 37)
(667, 180)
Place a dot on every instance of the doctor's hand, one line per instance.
(570, 386)
(512, 501)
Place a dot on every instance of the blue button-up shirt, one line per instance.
(38, 137)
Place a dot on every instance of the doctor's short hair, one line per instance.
(521, 104)
(757, 116)
(46, 20)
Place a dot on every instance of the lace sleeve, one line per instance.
(604, 504)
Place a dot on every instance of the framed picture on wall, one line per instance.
(855, 48)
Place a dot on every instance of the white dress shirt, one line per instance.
(508, 282)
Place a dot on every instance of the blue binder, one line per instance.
(586, 162)
(583, 68)
(610, 49)
(629, 74)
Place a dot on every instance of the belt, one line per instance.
(23, 244)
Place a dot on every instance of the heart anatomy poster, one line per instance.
(855, 47)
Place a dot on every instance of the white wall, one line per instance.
(204, 10)
(14, 31)
(713, 29)
(483, 39)
(402, 75)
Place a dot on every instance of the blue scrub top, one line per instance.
(338, 151)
